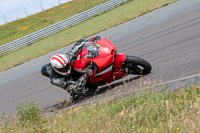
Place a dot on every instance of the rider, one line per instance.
(61, 72)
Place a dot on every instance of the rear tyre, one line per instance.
(137, 66)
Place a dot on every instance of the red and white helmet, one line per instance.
(60, 64)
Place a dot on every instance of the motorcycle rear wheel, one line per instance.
(137, 66)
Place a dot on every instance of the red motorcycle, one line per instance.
(111, 65)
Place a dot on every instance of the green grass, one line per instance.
(25, 26)
(85, 29)
(166, 112)
(28, 113)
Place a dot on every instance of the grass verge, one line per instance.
(150, 112)
(14, 30)
(123, 13)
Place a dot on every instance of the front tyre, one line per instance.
(137, 66)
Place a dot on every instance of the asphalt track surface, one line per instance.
(169, 38)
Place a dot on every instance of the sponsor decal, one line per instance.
(98, 45)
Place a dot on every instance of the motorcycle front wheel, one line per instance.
(137, 66)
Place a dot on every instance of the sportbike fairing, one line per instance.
(90, 50)
(101, 53)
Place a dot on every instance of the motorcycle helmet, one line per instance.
(60, 64)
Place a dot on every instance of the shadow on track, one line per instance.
(66, 103)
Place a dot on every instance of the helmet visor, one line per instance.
(63, 69)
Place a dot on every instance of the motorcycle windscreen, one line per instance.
(90, 50)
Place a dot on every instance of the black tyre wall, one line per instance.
(136, 61)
